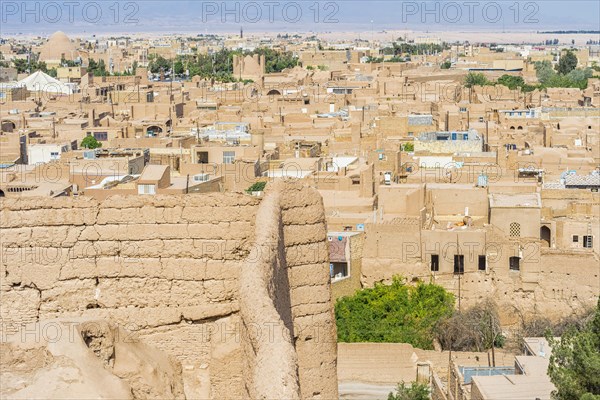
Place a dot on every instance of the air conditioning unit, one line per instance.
(89, 155)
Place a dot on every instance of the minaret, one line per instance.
(241, 33)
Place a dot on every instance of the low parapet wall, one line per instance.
(167, 268)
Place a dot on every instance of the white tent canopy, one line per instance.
(41, 82)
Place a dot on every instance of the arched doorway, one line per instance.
(1, 193)
(8, 126)
(546, 236)
(274, 92)
(153, 131)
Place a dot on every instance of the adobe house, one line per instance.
(517, 215)
(251, 67)
(153, 179)
(449, 142)
(345, 259)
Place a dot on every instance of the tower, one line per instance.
(241, 33)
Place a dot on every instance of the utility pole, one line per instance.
(459, 307)
(493, 340)
(449, 368)
(461, 269)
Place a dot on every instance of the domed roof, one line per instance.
(57, 47)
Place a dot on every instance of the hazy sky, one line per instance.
(99, 17)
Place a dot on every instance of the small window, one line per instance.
(146, 189)
(101, 136)
(514, 263)
(228, 157)
(588, 241)
(435, 263)
(482, 263)
(459, 264)
(515, 229)
(575, 238)
(202, 157)
(338, 270)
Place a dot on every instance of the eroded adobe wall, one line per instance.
(167, 268)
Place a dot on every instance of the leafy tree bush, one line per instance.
(548, 77)
(157, 64)
(446, 65)
(511, 82)
(544, 71)
(257, 187)
(22, 65)
(415, 391)
(90, 142)
(575, 362)
(396, 313)
(567, 63)
(408, 146)
(97, 68)
(476, 79)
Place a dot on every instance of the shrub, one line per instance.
(476, 79)
(396, 313)
(90, 142)
(416, 391)
(257, 187)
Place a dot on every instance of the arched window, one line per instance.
(515, 229)
(546, 235)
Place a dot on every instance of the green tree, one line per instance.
(90, 142)
(97, 68)
(575, 362)
(567, 63)
(446, 65)
(21, 65)
(415, 391)
(179, 69)
(544, 71)
(396, 313)
(158, 64)
(476, 79)
(67, 63)
(511, 82)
